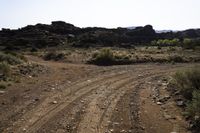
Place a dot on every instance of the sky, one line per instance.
(162, 14)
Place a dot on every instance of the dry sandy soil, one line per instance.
(81, 98)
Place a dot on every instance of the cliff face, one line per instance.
(61, 33)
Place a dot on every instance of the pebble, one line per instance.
(2, 92)
(116, 123)
(164, 84)
(54, 102)
(109, 122)
(159, 103)
(179, 103)
(122, 131)
(167, 117)
(111, 130)
(36, 99)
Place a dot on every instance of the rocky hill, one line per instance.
(61, 34)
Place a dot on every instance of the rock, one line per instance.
(180, 103)
(111, 130)
(143, 128)
(177, 93)
(196, 117)
(167, 117)
(164, 99)
(122, 131)
(116, 123)
(109, 122)
(36, 99)
(2, 92)
(164, 84)
(159, 103)
(54, 102)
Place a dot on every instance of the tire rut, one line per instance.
(86, 98)
(120, 82)
(37, 121)
(95, 111)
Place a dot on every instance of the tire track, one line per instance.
(93, 124)
(73, 92)
(126, 117)
(118, 78)
(37, 121)
(94, 112)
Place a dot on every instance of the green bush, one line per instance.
(107, 57)
(2, 86)
(166, 42)
(188, 83)
(4, 70)
(193, 109)
(104, 57)
(176, 58)
(188, 44)
(17, 55)
(54, 56)
(10, 58)
(191, 43)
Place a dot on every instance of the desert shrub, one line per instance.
(188, 83)
(54, 56)
(2, 86)
(10, 58)
(34, 49)
(176, 58)
(172, 49)
(188, 43)
(104, 57)
(191, 43)
(107, 57)
(17, 55)
(166, 42)
(4, 70)
(193, 109)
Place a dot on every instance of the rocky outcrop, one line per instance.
(60, 33)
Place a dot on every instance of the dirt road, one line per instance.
(89, 99)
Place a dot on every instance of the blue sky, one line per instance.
(162, 14)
